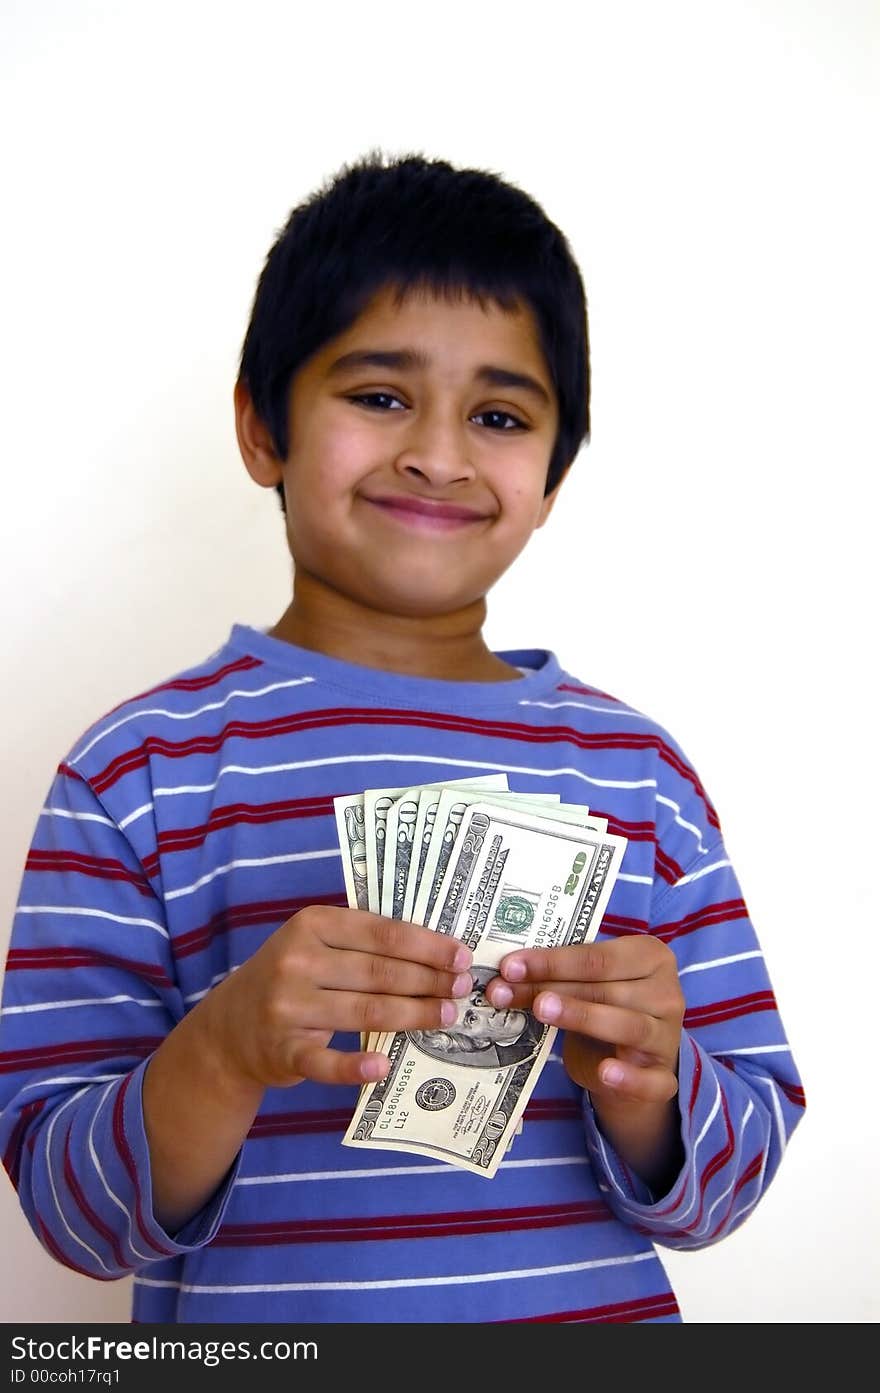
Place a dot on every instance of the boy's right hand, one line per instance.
(328, 969)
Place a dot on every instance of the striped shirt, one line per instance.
(187, 825)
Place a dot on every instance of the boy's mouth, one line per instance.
(425, 512)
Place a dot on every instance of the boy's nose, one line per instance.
(437, 452)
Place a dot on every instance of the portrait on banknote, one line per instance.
(484, 1036)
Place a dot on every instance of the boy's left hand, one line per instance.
(620, 1004)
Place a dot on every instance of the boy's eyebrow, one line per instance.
(404, 359)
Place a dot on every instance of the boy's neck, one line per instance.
(448, 646)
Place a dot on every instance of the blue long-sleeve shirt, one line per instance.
(191, 822)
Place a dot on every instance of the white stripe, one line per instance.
(707, 1222)
(442, 1169)
(720, 962)
(398, 1283)
(760, 1049)
(147, 1257)
(586, 706)
(777, 1110)
(682, 822)
(84, 1001)
(679, 1220)
(255, 861)
(607, 1164)
(184, 715)
(218, 977)
(697, 875)
(636, 879)
(484, 765)
(91, 914)
(55, 1116)
(133, 817)
(72, 1078)
(713, 1113)
(49, 811)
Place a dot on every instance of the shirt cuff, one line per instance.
(202, 1226)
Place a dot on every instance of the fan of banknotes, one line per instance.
(498, 870)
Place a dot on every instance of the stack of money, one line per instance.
(499, 870)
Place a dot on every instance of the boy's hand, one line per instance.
(621, 1007)
(329, 969)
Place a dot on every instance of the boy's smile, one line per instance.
(419, 442)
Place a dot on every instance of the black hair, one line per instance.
(408, 223)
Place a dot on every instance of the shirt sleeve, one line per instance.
(89, 993)
(740, 1094)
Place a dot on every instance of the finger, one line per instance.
(644, 994)
(634, 1029)
(386, 976)
(612, 960)
(628, 1082)
(323, 1065)
(360, 930)
(366, 1012)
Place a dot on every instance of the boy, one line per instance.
(185, 984)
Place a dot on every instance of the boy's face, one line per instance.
(411, 484)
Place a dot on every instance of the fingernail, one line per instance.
(448, 1012)
(374, 1069)
(548, 1007)
(612, 1074)
(462, 959)
(514, 971)
(463, 984)
(502, 995)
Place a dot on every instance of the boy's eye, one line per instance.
(517, 424)
(373, 400)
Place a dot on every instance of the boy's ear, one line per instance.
(255, 441)
(549, 499)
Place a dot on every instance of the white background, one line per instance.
(711, 560)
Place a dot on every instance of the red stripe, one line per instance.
(78, 1052)
(691, 1104)
(633, 831)
(714, 1166)
(346, 716)
(375, 1228)
(60, 1256)
(587, 691)
(86, 1209)
(337, 1119)
(666, 867)
(752, 1170)
(721, 912)
(617, 1313)
(35, 959)
(618, 925)
(12, 1156)
(101, 867)
(281, 1124)
(736, 1006)
(124, 1152)
(230, 815)
(551, 1109)
(274, 912)
(793, 1092)
(194, 684)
